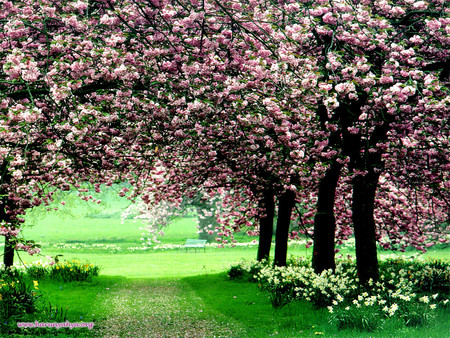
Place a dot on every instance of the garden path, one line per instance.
(159, 308)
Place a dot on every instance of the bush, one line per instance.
(247, 269)
(236, 272)
(363, 319)
(63, 271)
(18, 297)
(408, 290)
(431, 276)
(73, 271)
(286, 284)
(37, 271)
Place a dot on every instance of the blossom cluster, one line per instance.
(9, 231)
(30, 248)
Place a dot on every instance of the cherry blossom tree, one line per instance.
(329, 84)
(59, 126)
(274, 99)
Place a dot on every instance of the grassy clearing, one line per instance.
(174, 293)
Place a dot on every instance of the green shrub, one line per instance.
(408, 290)
(66, 271)
(247, 269)
(236, 272)
(416, 317)
(18, 297)
(363, 319)
(37, 271)
(426, 276)
(73, 271)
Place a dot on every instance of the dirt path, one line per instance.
(152, 308)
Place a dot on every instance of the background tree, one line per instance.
(58, 127)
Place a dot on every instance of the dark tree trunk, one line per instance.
(364, 189)
(8, 253)
(286, 203)
(324, 221)
(266, 225)
(8, 256)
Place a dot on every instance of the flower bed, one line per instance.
(408, 289)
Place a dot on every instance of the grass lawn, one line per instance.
(173, 292)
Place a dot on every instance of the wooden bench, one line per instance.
(195, 244)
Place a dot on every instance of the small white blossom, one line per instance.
(424, 299)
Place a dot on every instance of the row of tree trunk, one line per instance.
(364, 189)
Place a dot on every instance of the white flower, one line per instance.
(392, 309)
(424, 299)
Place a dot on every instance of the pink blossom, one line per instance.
(433, 24)
(329, 18)
(386, 79)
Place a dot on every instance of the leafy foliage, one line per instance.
(18, 296)
(73, 271)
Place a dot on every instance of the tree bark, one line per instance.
(8, 255)
(370, 163)
(286, 203)
(364, 189)
(8, 252)
(325, 222)
(266, 225)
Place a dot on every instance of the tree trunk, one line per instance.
(364, 189)
(324, 221)
(266, 225)
(8, 253)
(8, 256)
(286, 203)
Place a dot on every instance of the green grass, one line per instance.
(173, 293)
(209, 304)
(162, 264)
(243, 302)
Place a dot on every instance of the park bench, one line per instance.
(195, 244)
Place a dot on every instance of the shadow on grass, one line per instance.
(245, 303)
